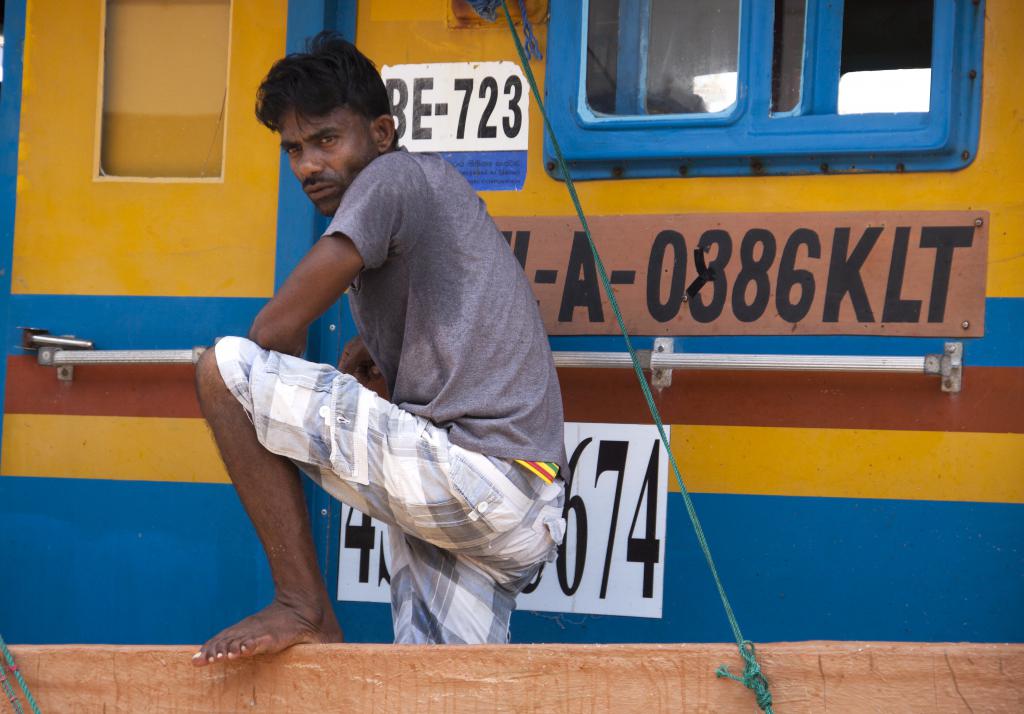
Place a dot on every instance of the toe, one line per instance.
(259, 644)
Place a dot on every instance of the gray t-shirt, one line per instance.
(445, 309)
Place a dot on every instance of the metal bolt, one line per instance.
(979, 222)
(617, 171)
(947, 383)
(965, 155)
(332, 327)
(900, 168)
(965, 324)
(824, 168)
(323, 511)
(950, 349)
(550, 166)
(683, 170)
(972, 74)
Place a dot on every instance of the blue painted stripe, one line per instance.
(173, 563)
(299, 225)
(812, 569)
(1002, 345)
(125, 562)
(828, 569)
(340, 15)
(115, 322)
(10, 123)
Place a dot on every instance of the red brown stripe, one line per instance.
(101, 390)
(992, 399)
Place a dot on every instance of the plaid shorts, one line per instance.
(467, 531)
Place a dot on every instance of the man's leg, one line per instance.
(438, 597)
(270, 488)
(480, 527)
(465, 594)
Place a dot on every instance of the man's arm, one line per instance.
(319, 279)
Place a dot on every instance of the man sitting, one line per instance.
(462, 462)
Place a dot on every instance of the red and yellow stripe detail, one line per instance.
(546, 470)
(844, 436)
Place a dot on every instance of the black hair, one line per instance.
(329, 75)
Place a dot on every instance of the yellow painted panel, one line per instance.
(79, 233)
(850, 463)
(121, 448)
(840, 463)
(403, 11)
(992, 182)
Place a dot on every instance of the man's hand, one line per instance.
(356, 360)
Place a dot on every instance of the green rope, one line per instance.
(9, 659)
(752, 677)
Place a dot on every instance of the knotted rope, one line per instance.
(13, 668)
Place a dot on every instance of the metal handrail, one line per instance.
(592, 360)
(793, 363)
(67, 353)
(58, 357)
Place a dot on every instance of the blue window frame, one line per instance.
(747, 137)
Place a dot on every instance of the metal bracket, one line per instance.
(949, 366)
(45, 357)
(47, 346)
(661, 378)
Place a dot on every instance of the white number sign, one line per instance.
(612, 559)
(459, 106)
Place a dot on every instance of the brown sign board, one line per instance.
(918, 273)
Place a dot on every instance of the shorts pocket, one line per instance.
(492, 499)
(297, 372)
(348, 420)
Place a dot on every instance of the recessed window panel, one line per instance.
(164, 88)
(689, 66)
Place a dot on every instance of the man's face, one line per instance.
(327, 153)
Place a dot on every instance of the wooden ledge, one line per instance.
(805, 677)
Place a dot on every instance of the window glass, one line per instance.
(787, 53)
(602, 54)
(164, 87)
(693, 56)
(887, 56)
(690, 65)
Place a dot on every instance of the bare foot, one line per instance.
(276, 627)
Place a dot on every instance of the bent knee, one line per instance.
(208, 378)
